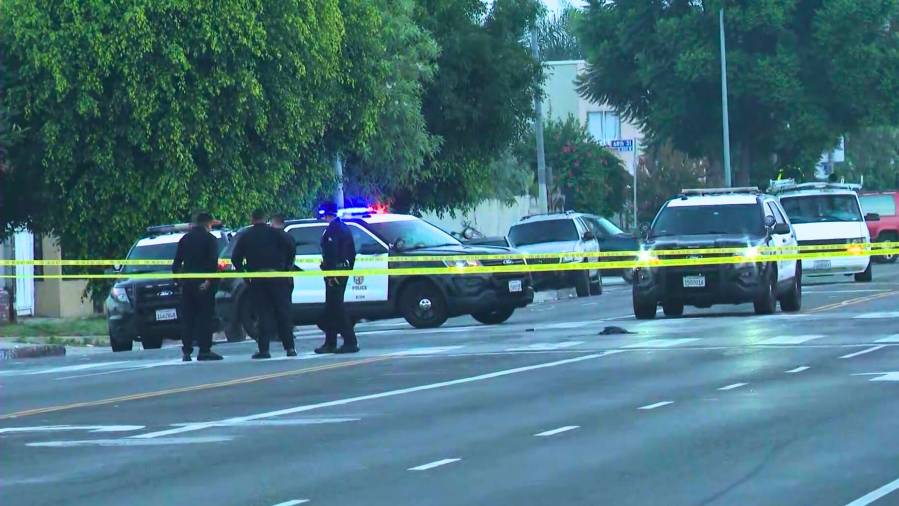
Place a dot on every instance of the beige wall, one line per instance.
(56, 298)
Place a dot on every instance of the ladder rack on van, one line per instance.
(788, 185)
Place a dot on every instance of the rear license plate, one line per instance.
(163, 315)
(694, 281)
(515, 286)
(821, 264)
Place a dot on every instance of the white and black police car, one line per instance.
(146, 310)
(734, 218)
(425, 301)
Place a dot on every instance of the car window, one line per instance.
(361, 237)
(150, 252)
(308, 239)
(884, 205)
(708, 220)
(537, 232)
(414, 233)
(821, 208)
(608, 227)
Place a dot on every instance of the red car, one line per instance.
(887, 228)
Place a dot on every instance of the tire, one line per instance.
(582, 284)
(767, 303)
(673, 309)
(151, 342)
(644, 309)
(423, 305)
(236, 334)
(248, 321)
(116, 346)
(494, 317)
(792, 301)
(887, 259)
(867, 276)
(628, 276)
(596, 286)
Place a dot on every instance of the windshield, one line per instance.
(884, 205)
(151, 252)
(609, 227)
(543, 231)
(414, 233)
(703, 220)
(821, 208)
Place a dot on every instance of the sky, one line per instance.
(553, 5)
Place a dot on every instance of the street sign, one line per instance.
(622, 144)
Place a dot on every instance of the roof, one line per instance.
(715, 200)
(170, 238)
(547, 217)
(816, 191)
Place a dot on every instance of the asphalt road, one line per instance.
(720, 407)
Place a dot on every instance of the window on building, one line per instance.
(38, 255)
(604, 126)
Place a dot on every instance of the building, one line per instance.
(602, 121)
(53, 298)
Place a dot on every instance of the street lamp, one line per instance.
(727, 177)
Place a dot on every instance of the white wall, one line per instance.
(491, 218)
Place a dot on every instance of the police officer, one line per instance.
(197, 253)
(266, 249)
(338, 253)
(278, 223)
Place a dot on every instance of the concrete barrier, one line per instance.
(15, 352)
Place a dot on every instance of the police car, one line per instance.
(827, 214)
(146, 310)
(741, 218)
(425, 301)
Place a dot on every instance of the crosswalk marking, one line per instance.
(889, 339)
(662, 343)
(426, 351)
(790, 339)
(546, 346)
(869, 316)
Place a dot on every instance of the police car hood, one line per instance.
(702, 241)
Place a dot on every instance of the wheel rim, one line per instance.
(424, 309)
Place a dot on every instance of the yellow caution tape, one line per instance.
(882, 248)
(652, 263)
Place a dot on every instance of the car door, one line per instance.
(308, 236)
(370, 254)
(790, 240)
(786, 269)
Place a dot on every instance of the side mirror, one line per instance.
(644, 230)
(770, 221)
(781, 228)
(399, 245)
(371, 249)
(588, 236)
(872, 217)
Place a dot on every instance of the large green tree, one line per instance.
(872, 153)
(800, 72)
(141, 110)
(556, 39)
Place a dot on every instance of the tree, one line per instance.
(555, 35)
(480, 101)
(792, 68)
(140, 111)
(662, 173)
(872, 153)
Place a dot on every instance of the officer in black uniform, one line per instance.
(278, 223)
(338, 253)
(267, 250)
(197, 254)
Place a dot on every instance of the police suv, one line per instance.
(146, 310)
(741, 218)
(827, 214)
(425, 301)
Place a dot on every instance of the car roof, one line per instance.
(818, 191)
(547, 217)
(172, 238)
(715, 200)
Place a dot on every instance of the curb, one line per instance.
(36, 351)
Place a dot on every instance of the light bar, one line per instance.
(719, 191)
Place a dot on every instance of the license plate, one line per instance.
(166, 315)
(515, 286)
(694, 281)
(821, 264)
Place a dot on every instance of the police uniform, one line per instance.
(266, 249)
(197, 253)
(338, 253)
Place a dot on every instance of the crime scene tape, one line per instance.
(880, 248)
(651, 261)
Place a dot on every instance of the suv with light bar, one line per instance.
(424, 300)
(741, 219)
(146, 310)
(828, 214)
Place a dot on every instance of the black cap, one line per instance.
(328, 209)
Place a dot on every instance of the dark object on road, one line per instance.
(610, 331)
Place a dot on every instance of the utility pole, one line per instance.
(542, 177)
(338, 172)
(727, 174)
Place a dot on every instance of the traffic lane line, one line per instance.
(849, 302)
(874, 495)
(656, 405)
(293, 502)
(557, 431)
(192, 388)
(869, 350)
(731, 387)
(798, 369)
(432, 465)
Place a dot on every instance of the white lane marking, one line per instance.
(876, 494)
(882, 376)
(889, 339)
(67, 368)
(432, 465)
(798, 369)
(557, 431)
(135, 367)
(790, 339)
(591, 303)
(270, 423)
(293, 502)
(547, 346)
(869, 350)
(133, 442)
(869, 316)
(735, 385)
(425, 351)
(810, 292)
(565, 325)
(91, 428)
(657, 405)
(662, 343)
(391, 393)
